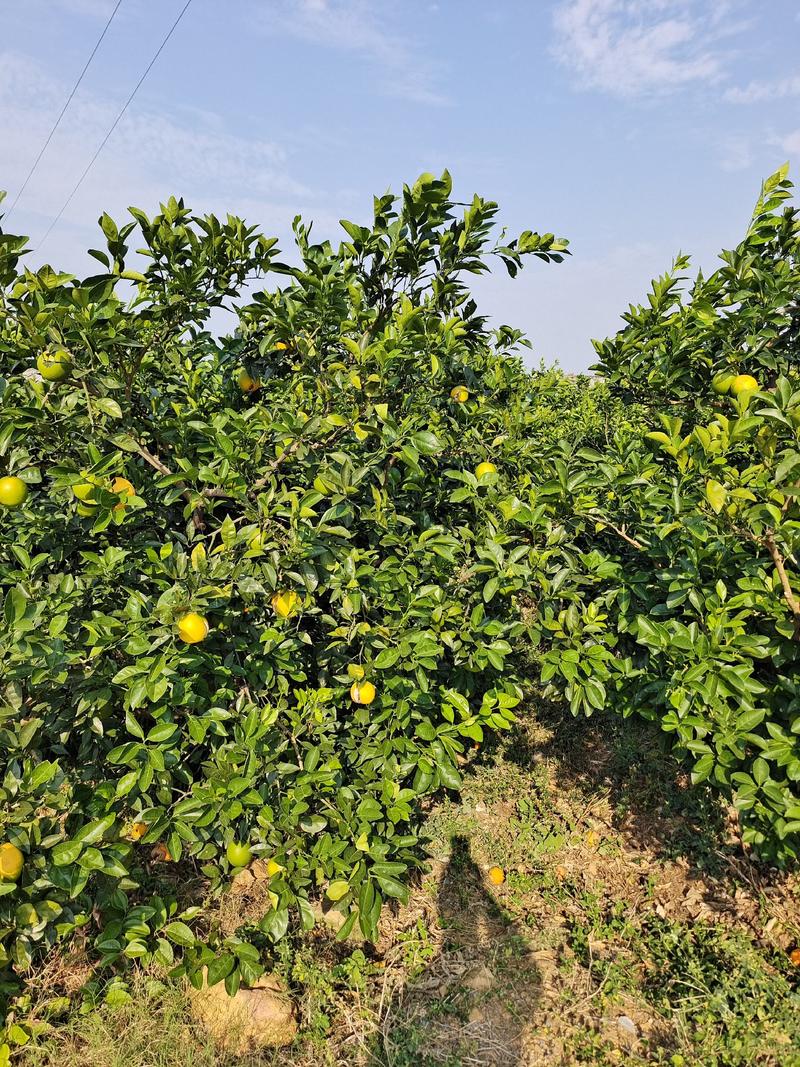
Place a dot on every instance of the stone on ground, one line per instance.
(261, 1016)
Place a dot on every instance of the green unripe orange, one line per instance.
(239, 855)
(84, 491)
(722, 382)
(54, 366)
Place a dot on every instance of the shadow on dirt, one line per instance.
(468, 1005)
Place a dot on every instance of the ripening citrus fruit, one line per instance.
(54, 366)
(284, 603)
(362, 692)
(496, 875)
(485, 468)
(13, 491)
(460, 394)
(11, 861)
(722, 382)
(192, 628)
(247, 383)
(794, 957)
(743, 383)
(239, 855)
(122, 487)
(84, 491)
(161, 854)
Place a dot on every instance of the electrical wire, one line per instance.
(57, 123)
(115, 123)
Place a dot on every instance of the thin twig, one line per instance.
(788, 594)
(620, 531)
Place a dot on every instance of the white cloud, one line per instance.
(789, 143)
(364, 27)
(150, 155)
(636, 47)
(758, 91)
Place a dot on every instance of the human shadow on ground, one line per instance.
(470, 1002)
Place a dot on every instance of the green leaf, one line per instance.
(180, 934)
(716, 495)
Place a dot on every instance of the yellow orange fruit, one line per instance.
(362, 692)
(193, 628)
(122, 487)
(460, 394)
(13, 491)
(743, 383)
(247, 383)
(794, 957)
(54, 366)
(284, 603)
(161, 854)
(496, 875)
(11, 862)
(485, 468)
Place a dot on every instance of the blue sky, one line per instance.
(636, 128)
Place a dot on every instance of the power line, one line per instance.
(75, 88)
(115, 123)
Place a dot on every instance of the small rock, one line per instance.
(262, 1016)
(479, 980)
(627, 1025)
(328, 915)
(331, 918)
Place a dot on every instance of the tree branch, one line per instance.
(788, 594)
(620, 532)
(154, 461)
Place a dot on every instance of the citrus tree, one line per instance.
(258, 594)
(687, 608)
